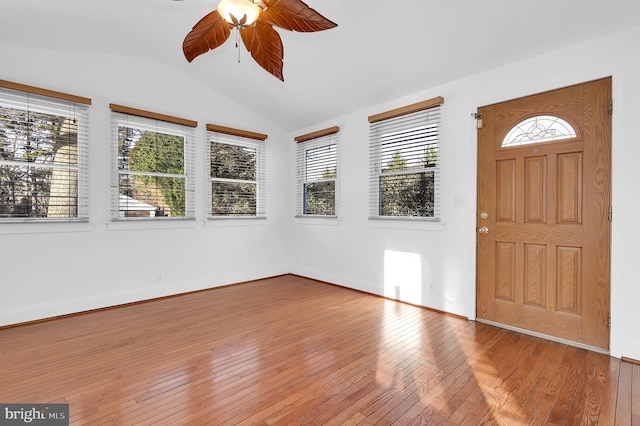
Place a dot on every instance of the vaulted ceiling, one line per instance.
(380, 50)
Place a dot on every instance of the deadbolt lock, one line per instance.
(484, 215)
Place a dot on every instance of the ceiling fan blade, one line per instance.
(295, 15)
(265, 46)
(209, 33)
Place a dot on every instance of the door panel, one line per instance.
(543, 262)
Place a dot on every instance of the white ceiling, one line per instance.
(380, 50)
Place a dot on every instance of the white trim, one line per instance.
(83, 304)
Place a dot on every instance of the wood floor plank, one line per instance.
(533, 402)
(289, 350)
(553, 388)
(624, 401)
(635, 396)
(491, 382)
(590, 411)
(387, 396)
(412, 404)
(607, 412)
(381, 363)
(571, 384)
(518, 388)
(580, 404)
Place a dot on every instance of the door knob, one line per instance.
(483, 230)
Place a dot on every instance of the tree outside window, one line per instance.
(40, 160)
(234, 186)
(152, 172)
(405, 162)
(317, 175)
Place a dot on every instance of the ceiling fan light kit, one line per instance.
(254, 19)
(239, 13)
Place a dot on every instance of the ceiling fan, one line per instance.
(254, 20)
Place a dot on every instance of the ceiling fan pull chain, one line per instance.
(237, 32)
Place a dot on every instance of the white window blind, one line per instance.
(317, 176)
(237, 176)
(405, 165)
(44, 144)
(153, 163)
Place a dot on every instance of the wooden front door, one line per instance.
(544, 185)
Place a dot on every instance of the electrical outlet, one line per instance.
(159, 277)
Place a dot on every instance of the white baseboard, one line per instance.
(57, 308)
(337, 280)
(631, 350)
(450, 307)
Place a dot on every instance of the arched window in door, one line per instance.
(538, 129)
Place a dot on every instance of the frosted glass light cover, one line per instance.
(238, 9)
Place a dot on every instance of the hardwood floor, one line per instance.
(288, 350)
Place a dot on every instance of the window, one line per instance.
(405, 162)
(538, 129)
(154, 164)
(317, 173)
(43, 155)
(236, 173)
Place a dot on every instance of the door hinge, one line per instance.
(609, 322)
(610, 215)
(611, 107)
(478, 116)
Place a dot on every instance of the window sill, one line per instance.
(317, 220)
(133, 224)
(223, 221)
(414, 224)
(9, 228)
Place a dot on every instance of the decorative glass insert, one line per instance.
(538, 129)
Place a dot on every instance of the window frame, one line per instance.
(415, 116)
(241, 138)
(43, 101)
(305, 143)
(158, 123)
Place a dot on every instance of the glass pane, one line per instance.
(409, 194)
(151, 196)
(542, 128)
(38, 192)
(233, 199)
(320, 198)
(320, 163)
(145, 151)
(39, 138)
(233, 161)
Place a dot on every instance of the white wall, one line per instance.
(52, 269)
(352, 249)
